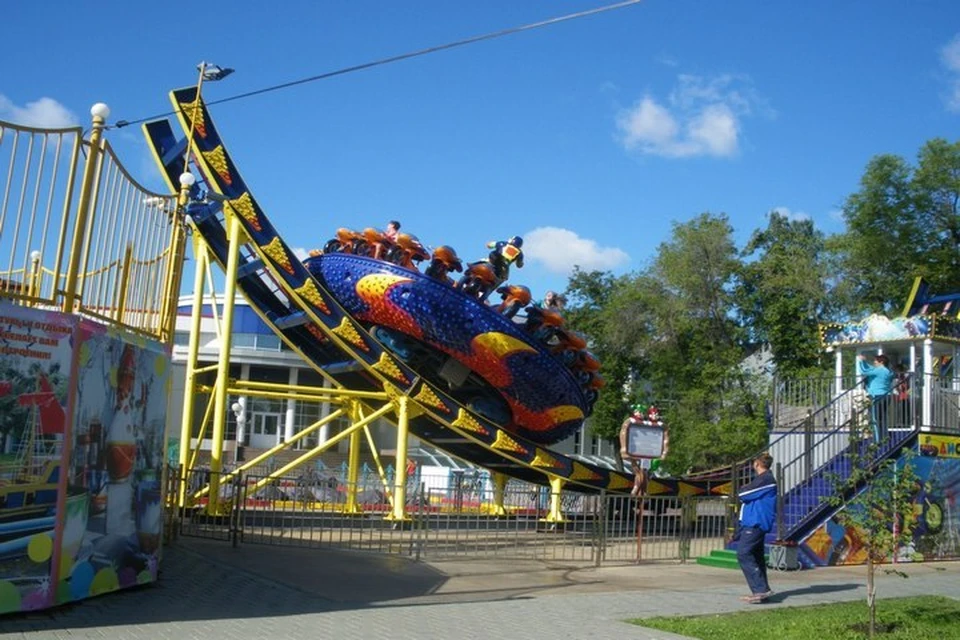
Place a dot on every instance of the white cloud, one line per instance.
(45, 113)
(791, 215)
(950, 57)
(301, 253)
(560, 250)
(667, 60)
(701, 116)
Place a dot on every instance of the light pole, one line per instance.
(33, 290)
(240, 414)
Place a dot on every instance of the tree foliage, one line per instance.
(784, 291)
(680, 332)
(902, 222)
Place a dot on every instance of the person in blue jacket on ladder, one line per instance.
(758, 510)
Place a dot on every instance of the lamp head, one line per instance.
(100, 111)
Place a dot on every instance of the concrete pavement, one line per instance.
(208, 589)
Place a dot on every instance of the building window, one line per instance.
(244, 340)
(578, 440)
(268, 343)
(594, 445)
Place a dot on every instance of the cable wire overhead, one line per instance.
(403, 56)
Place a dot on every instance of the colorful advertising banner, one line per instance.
(940, 446)
(35, 359)
(82, 412)
(935, 526)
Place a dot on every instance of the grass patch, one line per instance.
(913, 618)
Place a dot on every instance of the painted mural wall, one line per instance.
(936, 531)
(82, 412)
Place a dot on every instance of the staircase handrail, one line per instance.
(797, 428)
(852, 426)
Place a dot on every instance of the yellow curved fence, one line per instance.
(79, 234)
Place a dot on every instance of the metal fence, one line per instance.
(463, 523)
(78, 233)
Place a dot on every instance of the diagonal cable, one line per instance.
(403, 56)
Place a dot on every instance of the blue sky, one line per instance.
(589, 138)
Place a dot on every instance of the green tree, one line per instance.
(783, 291)
(902, 222)
(595, 303)
(671, 334)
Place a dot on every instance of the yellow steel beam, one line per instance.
(346, 393)
(253, 393)
(124, 282)
(280, 447)
(499, 490)
(201, 253)
(399, 511)
(353, 473)
(209, 367)
(84, 207)
(201, 434)
(236, 239)
(556, 489)
(387, 491)
(313, 453)
(174, 269)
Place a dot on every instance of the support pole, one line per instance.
(499, 490)
(353, 465)
(399, 512)
(100, 112)
(223, 364)
(193, 350)
(124, 282)
(34, 286)
(556, 487)
(928, 381)
(174, 270)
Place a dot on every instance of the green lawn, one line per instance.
(913, 618)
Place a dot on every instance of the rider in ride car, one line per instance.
(505, 253)
(393, 228)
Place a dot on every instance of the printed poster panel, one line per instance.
(937, 445)
(121, 402)
(935, 525)
(35, 361)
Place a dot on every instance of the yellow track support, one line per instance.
(499, 490)
(399, 511)
(202, 256)
(555, 516)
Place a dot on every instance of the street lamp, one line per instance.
(211, 73)
(33, 288)
(238, 412)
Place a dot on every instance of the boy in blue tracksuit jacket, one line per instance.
(758, 510)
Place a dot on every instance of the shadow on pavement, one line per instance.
(813, 589)
(211, 581)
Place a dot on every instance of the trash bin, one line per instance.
(783, 556)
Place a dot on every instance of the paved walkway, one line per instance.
(210, 590)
